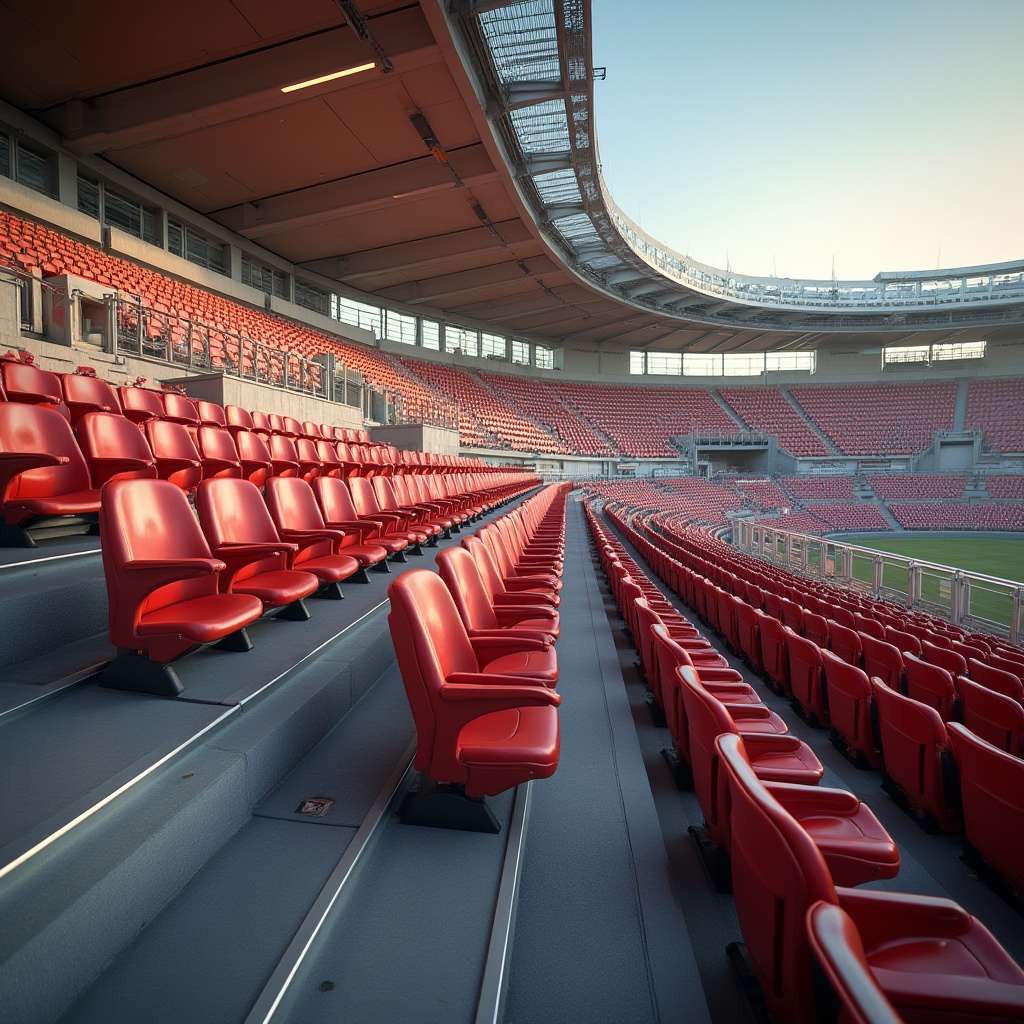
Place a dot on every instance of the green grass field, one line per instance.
(992, 556)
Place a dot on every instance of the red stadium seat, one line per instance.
(298, 520)
(919, 771)
(479, 730)
(850, 700)
(162, 585)
(928, 955)
(339, 512)
(993, 716)
(807, 678)
(114, 448)
(774, 653)
(992, 793)
(839, 954)
(931, 685)
(238, 527)
(175, 453)
(43, 475)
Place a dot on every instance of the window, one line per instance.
(430, 334)
(461, 339)
(521, 352)
(743, 366)
(27, 166)
(665, 364)
(543, 357)
(399, 327)
(310, 297)
(959, 350)
(358, 314)
(196, 248)
(905, 354)
(701, 365)
(115, 209)
(264, 277)
(791, 361)
(492, 345)
(637, 361)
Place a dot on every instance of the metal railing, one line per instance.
(968, 599)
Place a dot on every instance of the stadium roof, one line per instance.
(453, 172)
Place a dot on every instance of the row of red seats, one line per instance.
(475, 648)
(799, 848)
(178, 579)
(47, 471)
(888, 694)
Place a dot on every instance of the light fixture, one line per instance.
(327, 78)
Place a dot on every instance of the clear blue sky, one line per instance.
(888, 134)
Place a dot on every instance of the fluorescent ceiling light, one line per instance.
(327, 78)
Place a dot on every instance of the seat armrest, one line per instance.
(502, 642)
(498, 691)
(801, 801)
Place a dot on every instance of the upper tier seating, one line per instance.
(480, 728)
(804, 487)
(879, 419)
(485, 418)
(947, 516)
(538, 401)
(993, 406)
(919, 486)
(769, 410)
(640, 420)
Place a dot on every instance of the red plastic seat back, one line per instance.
(931, 685)
(806, 676)
(283, 455)
(992, 792)
(883, 660)
(816, 629)
(254, 456)
(947, 658)
(141, 404)
(774, 653)
(114, 447)
(868, 626)
(147, 521)
(777, 873)
(363, 496)
(707, 719)
(30, 384)
(180, 408)
(211, 414)
(839, 952)
(1006, 683)
(332, 494)
(31, 428)
(84, 394)
(850, 699)
(218, 452)
(748, 633)
(792, 615)
(462, 578)
(993, 716)
(916, 753)
(430, 643)
(237, 418)
(906, 643)
(174, 451)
